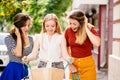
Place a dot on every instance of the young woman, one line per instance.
(19, 44)
(80, 37)
(51, 45)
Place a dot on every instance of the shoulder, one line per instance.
(68, 29)
(9, 38)
(68, 32)
(58, 35)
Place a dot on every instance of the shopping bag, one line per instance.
(47, 74)
(75, 76)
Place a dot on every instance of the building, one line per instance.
(108, 25)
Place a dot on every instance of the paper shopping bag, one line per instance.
(47, 74)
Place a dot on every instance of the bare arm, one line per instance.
(95, 40)
(65, 54)
(34, 52)
(18, 49)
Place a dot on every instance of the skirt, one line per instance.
(85, 67)
(14, 71)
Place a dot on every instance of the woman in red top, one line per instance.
(80, 37)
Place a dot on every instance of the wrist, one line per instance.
(70, 61)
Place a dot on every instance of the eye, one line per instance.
(69, 23)
(74, 24)
(46, 25)
(53, 25)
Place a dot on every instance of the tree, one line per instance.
(59, 7)
(37, 9)
(8, 9)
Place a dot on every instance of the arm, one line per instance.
(34, 52)
(18, 49)
(64, 51)
(95, 40)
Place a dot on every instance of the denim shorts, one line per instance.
(58, 65)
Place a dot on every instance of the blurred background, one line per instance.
(103, 14)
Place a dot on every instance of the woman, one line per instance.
(80, 37)
(19, 44)
(50, 43)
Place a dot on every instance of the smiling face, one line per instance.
(50, 27)
(25, 27)
(74, 24)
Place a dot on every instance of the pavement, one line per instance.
(102, 74)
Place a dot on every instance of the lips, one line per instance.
(74, 29)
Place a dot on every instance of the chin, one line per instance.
(74, 30)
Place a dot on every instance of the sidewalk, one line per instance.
(102, 74)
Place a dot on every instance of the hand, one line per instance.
(17, 32)
(25, 59)
(86, 19)
(72, 68)
(70, 61)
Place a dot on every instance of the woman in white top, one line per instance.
(51, 44)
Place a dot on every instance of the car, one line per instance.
(4, 58)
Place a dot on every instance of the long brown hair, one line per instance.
(81, 33)
(19, 21)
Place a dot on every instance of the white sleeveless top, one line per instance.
(50, 50)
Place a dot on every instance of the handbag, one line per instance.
(47, 74)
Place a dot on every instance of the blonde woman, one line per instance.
(51, 45)
(80, 37)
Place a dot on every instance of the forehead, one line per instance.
(72, 20)
(49, 22)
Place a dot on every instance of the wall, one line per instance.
(114, 58)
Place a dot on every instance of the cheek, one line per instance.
(54, 28)
(22, 29)
(45, 28)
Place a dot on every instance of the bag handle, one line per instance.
(66, 66)
(67, 63)
(77, 75)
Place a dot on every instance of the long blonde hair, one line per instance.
(48, 17)
(81, 33)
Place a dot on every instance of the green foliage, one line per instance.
(8, 9)
(57, 6)
(37, 9)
